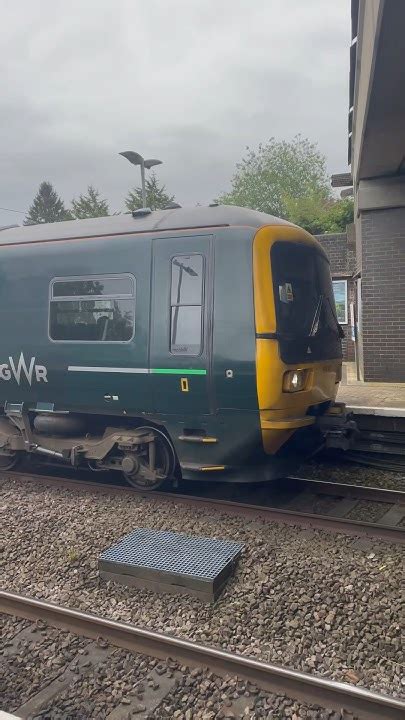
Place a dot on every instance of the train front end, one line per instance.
(298, 338)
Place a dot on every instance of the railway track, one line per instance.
(381, 442)
(380, 449)
(300, 686)
(295, 500)
(373, 459)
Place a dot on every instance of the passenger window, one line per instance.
(95, 309)
(186, 304)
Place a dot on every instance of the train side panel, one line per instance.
(234, 365)
(73, 375)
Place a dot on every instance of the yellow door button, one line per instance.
(184, 384)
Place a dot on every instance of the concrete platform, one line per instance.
(384, 399)
(370, 398)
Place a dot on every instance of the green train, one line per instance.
(194, 343)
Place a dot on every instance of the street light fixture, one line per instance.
(137, 159)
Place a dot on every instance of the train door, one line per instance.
(180, 347)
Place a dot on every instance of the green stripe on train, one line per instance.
(175, 371)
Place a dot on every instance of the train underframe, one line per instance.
(145, 454)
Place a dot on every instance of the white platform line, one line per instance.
(381, 411)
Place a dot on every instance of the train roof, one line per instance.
(154, 221)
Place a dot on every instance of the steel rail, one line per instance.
(362, 457)
(290, 517)
(366, 492)
(325, 487)
(327, 693)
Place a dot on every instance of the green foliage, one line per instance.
(339, 214)
(72, 555)
(90, 205)
(156, 196)
(267, 179)
(289, 180)
(307, 212)
(318, 215)
(47, 207)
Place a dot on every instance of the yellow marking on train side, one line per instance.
(213, 467)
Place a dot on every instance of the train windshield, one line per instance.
(307, 325)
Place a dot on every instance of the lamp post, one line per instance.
(137, 159)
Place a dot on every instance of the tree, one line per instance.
(268, 178)
(47, 207)
(289, 180)
(318, 215)
(90, 205)
(338, 215)
(307, 212)
(156, 196)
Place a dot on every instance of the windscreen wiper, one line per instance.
(339, 327)
(315, 321)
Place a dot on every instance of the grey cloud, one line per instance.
(192, 83)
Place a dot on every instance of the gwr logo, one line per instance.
(32, 371)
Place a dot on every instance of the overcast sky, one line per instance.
(191, 82)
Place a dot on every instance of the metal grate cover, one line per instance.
(168, 561)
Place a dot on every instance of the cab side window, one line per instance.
(186, 304)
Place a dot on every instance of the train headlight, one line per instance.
(294, 380)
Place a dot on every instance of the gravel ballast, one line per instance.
(38, 659)
(308, 599)
(107, 683)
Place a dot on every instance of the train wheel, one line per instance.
(153, 466)
(7, 462)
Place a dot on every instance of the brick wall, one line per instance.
(342, 260)
(383, 294)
